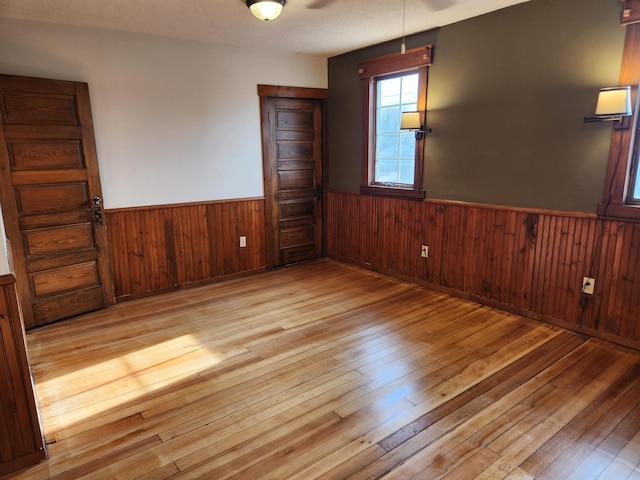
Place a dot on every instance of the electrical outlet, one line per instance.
(588, 284)
(425, 251)
(243, 241)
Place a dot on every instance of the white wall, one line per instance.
(4, 264)
(175, 121)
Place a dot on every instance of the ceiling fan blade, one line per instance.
(436, 5)
(318, 4)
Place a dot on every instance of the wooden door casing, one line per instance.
(21, 442)
(293, 154)
(49, 176)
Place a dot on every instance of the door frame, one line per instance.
(301, 93)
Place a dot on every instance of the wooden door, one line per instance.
(293, 152)
(51, 199)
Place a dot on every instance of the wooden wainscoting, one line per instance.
(21, 441)
(525, 260)
(162, 248)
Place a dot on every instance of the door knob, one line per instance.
(97, 211)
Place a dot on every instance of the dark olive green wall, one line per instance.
(506, 99)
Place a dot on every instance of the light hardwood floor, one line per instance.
(323, 370)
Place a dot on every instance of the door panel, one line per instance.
(295, 178)
(51, 198)
(291, 148)
(38, 109)
(65, 279)
(297, 209)
(45, 156)
(49, 175)
(298, 237)
(58, 240)
(51, 309)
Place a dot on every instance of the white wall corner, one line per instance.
(4, 255)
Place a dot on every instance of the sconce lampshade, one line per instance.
(614, 101)
(410, 121)
(266, 9)
(614, 105)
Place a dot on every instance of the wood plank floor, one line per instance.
(323, 370)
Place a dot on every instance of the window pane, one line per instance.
(410, 88)
(409, 107)
(406, 171)
(395, 149)
(388, 119)
(387, 146)
(387, 171)
(389, 92)
(636, 181)
(407, 145)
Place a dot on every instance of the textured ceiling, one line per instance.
(320, 27)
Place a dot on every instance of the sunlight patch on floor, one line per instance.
(107, 385)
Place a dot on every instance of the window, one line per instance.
(622, 186)
(634, 177)
(393, 158)
(394, 149)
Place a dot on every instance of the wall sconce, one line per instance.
(266, 9)
(614, 105)
(412, 121)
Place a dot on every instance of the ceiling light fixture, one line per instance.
(266, 9)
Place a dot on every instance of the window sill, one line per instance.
(396, 192)
(626, 213)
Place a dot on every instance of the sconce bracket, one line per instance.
(620, 122)
(420, 133)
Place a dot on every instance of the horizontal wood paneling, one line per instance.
(161, 248)
(524, 260)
